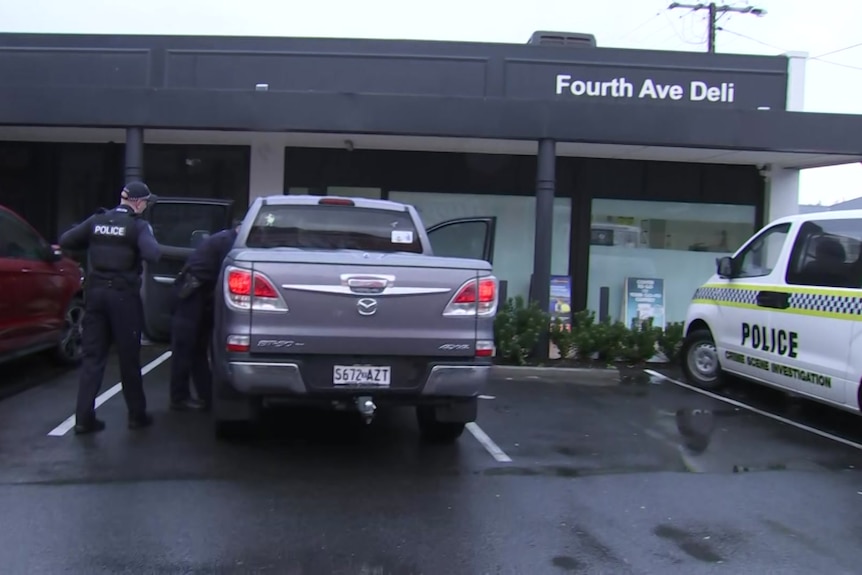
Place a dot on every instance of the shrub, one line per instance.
(670, 341)
(517, 329)
(639, 343)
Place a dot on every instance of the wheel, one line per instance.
(435, 431)
(69, 350)
(700, 360)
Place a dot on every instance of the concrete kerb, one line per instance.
(574, 375)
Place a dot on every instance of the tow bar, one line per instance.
(366, 408)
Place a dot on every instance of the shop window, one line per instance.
(674, 242)
(516, 219)
(826, 253)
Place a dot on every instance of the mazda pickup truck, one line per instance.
(350, 303)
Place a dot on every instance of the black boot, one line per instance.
(140, 421)
(92, 425)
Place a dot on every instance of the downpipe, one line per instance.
(365, 406)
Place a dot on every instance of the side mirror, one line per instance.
(56, 253)
(725, 267)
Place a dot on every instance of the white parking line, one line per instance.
(67, 425)
(488, 443)
(735, 403)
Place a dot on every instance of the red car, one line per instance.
(41, 306)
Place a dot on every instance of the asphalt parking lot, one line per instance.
(647, 477)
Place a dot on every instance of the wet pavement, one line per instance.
(646, 477)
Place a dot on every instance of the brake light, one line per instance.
(252, 290)
(335, 202)
(474, 298)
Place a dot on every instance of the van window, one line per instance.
(758, 258)
(826, 254)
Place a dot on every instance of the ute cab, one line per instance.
(785, 311)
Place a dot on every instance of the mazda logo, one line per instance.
(366, 306)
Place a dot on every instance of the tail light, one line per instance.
(247, 290)
(238, 343)
(474, 298)
(484, 348)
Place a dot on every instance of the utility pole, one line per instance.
(715, 12)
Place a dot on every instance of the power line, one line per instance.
(714, 13)
(844, 49)
(783, 50)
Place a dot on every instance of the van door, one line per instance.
(824, 277)
(471, 238)
(747, 301)
(179, 225)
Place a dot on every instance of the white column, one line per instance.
(782, 193)
(796, 81)
(782, 185)
(266, 175)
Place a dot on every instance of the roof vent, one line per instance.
(573, 39)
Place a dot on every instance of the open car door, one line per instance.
(179, 225)
(471, 238)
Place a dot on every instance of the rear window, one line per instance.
(334, 228)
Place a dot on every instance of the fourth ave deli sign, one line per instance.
(648, 89)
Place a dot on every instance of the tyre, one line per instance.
(700, 360)
(69, 350)
(432, 430)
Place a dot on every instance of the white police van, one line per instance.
(785, 311)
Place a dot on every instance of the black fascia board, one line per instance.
(492, 118)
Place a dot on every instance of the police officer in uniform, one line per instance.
(116, 241)
(191, 329)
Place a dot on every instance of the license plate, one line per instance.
(367, 375)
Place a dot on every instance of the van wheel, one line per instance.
(700, 360)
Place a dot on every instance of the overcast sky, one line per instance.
(826, 29)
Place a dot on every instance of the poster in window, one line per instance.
(644, 299)
(561, 298)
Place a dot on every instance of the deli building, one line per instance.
(599, 164)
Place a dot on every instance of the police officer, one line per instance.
(116, 241)
(191, 329)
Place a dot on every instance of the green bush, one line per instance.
(639, 343)
(670, 340)
(517, 329)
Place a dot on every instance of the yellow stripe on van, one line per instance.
(806, 301)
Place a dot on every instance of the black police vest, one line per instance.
(114, 253)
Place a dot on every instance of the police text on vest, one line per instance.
(105, 230)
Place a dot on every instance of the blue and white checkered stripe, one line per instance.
(727, 295)
(807, 302)
(831, 304)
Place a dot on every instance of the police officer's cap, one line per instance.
(138, 191)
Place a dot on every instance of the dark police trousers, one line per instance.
(191, 330)
(112, 315)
